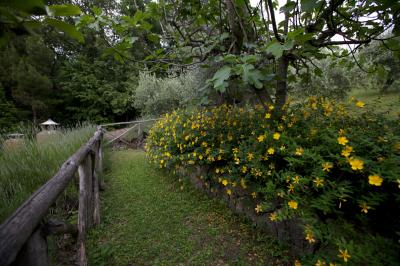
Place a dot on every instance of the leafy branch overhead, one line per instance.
(25, 16)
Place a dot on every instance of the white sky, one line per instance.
(280, 16)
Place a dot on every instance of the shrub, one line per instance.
(156, 96)
(337, 172)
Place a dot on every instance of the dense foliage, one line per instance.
(338, 172)
(155, 96)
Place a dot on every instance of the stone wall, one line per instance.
(242, 203)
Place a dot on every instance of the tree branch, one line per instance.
(273, 21)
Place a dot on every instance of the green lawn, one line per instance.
(148, 220)
(387, 103)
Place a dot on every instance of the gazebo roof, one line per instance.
(49, 122)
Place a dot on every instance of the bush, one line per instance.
(336, 171)
(156, 96)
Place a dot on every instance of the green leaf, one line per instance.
(250, 59)
(252, 76)
(154, 38)
(131, 40)
(318, 72)
(277, 49)
(288, 7)
(220, 77)
(308, 5)
(63, 10)
(68, 29)
(97, 10)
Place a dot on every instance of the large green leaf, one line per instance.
(252, 76)
(63, 10)
(277, 49)
(220, 77)
(68, 29)
(288, 7)
(308, 5)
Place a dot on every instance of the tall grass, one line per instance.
(26, 167)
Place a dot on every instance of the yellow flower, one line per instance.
(273, 216)
(267, 115)
(375, 180)
(342, 140)
(364, 207)
(344, 255)
(320, 263)
(319, 182)
(291, 187)
(243, 183)
(271, 107)
(261, 138)
(225, 182)
(250, 156)
(297, 263)
(356, 164)
(341, 132)
(229, 191)
(299, 151)
(310, 237)
(346, 151)
(244, 169)
(398, 182)
(276, 136)
(271, 151)
(293, 204)
(254, 195)
(217, 170)
(258, 208)
(327, 166)
(296, 179)
(360, 104)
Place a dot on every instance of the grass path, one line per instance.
(148, 220)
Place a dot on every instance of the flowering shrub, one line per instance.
(339, 173)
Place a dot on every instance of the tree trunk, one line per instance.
(281, 84)
(282, 73)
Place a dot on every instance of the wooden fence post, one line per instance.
(84, 217)
(96, 184)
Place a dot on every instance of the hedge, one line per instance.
(336, 171)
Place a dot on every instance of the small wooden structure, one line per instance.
(23, 234)
(49, 125)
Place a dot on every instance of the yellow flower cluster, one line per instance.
(293, 160)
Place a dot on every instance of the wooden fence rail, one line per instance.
(23, 234)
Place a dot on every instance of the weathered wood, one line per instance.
(58, 227)
(96, 199)
(130, 122)
(15, 231)
(121, 135)
(34, 252)
(85, 177)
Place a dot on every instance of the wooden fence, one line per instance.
(23, 234)
(132, 125)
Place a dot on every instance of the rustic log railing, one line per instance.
(138, 124)
(23, 234)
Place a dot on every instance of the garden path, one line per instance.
(150, 218)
